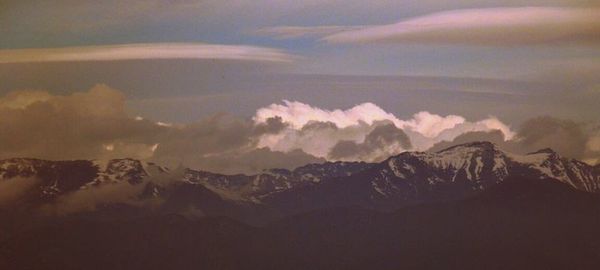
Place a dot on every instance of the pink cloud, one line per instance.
(145, 51)
(489, 26)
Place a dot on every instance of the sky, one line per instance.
(277, 83)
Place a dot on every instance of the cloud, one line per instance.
(292, 32)
(382, 142)
(94, 125)
(564, 136)
(91, 197)
(13, 189)
(569, 138)
(255, 160)
(594, 143)
(486, 26)
(347, 134)
(77, 126)
(226, 144)
(22, 99)
(299, 114)
(495, 137)
(145, 51)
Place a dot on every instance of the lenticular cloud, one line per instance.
(316, 131)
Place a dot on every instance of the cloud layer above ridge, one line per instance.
(95, 125)
(317, 131)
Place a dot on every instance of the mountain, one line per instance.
(51, 179)
(254, 188)
(409, 178)
(520, 223)
(471, 206)
(417, 177)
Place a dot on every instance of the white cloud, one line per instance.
(431, 125)
(145, 51)
(316, 131)
(299, 114)
(487, 26)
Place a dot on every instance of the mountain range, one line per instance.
(468, 206)
(406, 179)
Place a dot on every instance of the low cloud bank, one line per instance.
(94, 125)
(13, 189)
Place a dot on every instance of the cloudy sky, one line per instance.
(235, 85)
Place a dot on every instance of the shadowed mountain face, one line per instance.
(471, 206)
(518, 224)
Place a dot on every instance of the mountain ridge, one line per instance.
(408, 178)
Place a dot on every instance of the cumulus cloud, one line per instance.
(382, 142)
(344, 134)
(145, 51)
(299, 114)
(38, 124)
(488, 26)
